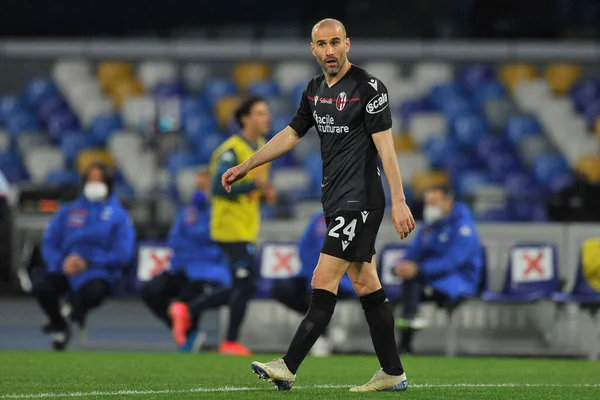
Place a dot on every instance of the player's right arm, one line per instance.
(283, 142)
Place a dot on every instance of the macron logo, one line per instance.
(345, 244)
(365, 214)
(373, 83)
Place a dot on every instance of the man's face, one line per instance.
(330, 47)
(438, 199)
(259, 118)
(203, 181)
(94, 175)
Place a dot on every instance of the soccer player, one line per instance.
(350, 110)
(235, 219)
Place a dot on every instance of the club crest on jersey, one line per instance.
(341, 101)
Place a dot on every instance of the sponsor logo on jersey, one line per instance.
(341, 101)
(377, 103)
(326, 124)
(373, 83)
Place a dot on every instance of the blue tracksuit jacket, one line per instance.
(99, 232)
(449, 254)
(194, 252)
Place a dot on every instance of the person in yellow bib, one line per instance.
(235, 215)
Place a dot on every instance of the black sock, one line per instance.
(406, 340)
(322, 304)
(381, 324)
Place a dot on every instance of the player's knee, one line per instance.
(365, 285)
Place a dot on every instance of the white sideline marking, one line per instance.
(245, 388)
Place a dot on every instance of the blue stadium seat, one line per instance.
(214, 89)
(280, 121)
(561, 181)
(51, 106)
(191, 107)
(408, 108)
(490, 144)
(209, 144)
(314, 167)
(72, 142)
(296, 94)
(10, 105)
(547, 166)
(179, 160)
(591, 112)
(531, 274)
(39, 89)
(21, 122)
(582, 291)
(169, 89)
(266, 89)
(472, 76)
(458, 162)
(14, 174)
(62, 122)
(496, 215)
(440, 94)
(198, 125)
(487, 91)
(519, 185)
(529, 211)
(63, 177)
(467, 181)
(439, 148)
(584, 93)
(104, 126)
(388, 258)
(457, 107)
(502, 163)
(520, 126)
(10, 159)
(468, 130)
(276, 261)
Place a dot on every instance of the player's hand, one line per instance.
(70, 265)
(233, 175)
(402, 219)
(80, 264)
(406, 270)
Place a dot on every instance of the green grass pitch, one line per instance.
(31, 375)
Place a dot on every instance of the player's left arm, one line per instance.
(378, 122)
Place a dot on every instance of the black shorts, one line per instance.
(351, 235)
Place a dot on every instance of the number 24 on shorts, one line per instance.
(348, 230)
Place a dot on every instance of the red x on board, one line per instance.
(283, 261)
(160, 264)
(533, 264)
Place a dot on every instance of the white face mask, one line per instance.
(432, 214)
(95, 191)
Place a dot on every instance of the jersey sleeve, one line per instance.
(303, 120)
(377, 115)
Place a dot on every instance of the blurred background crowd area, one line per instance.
(517, 141)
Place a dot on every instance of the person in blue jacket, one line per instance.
(86, 247)
(295, 292)
(445, 256)
(198, 269)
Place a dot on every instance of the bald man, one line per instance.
(350, 110)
